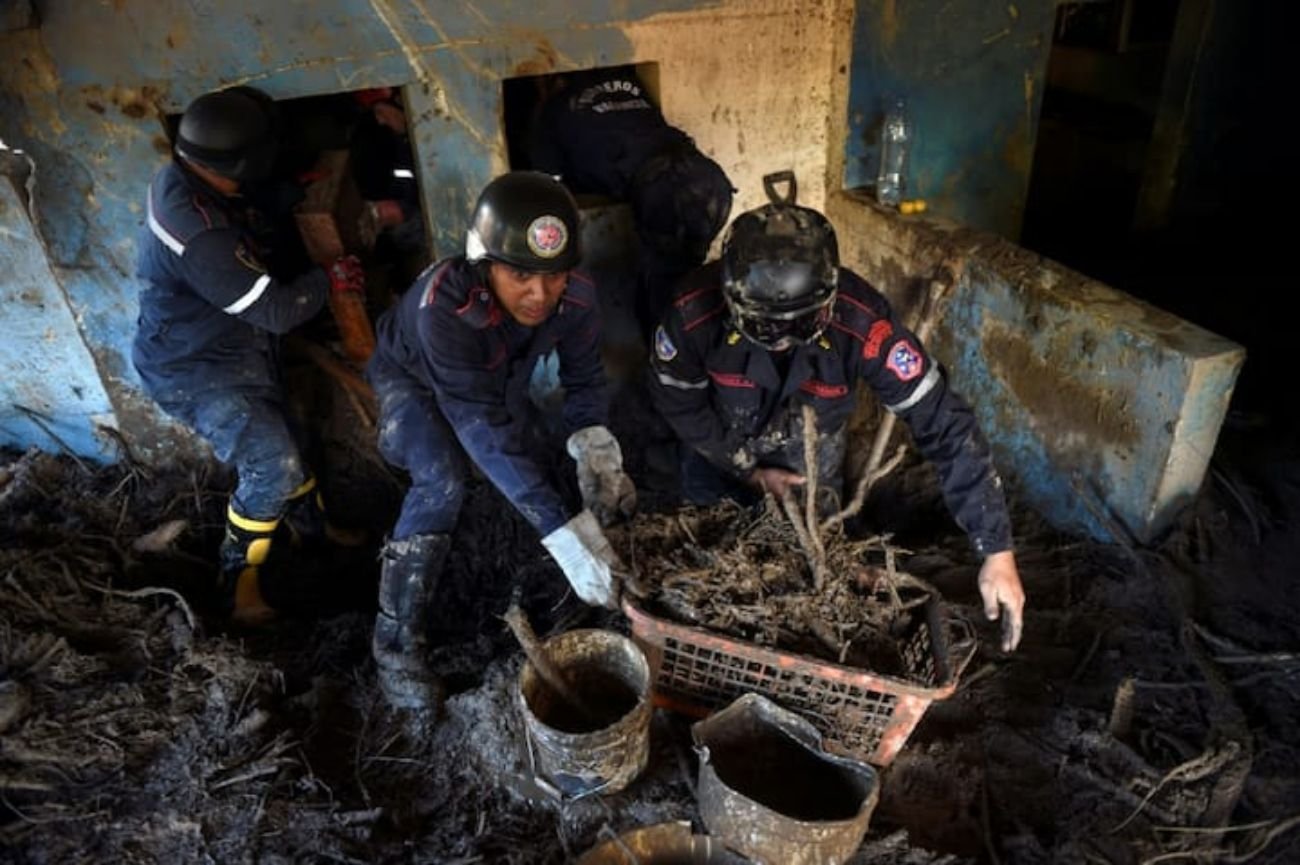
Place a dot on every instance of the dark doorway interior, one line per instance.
(1163, 170)
(523, 97)
(362, 136)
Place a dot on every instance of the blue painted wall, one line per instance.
(972, 72)
(53, 396)
(85, 95)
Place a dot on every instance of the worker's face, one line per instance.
(530, 298)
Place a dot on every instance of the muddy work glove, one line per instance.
(583, 552)
(346, 275)
(606, 489)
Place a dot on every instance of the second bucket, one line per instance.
(771, 792)
(604, 748)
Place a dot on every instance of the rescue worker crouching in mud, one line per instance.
(211, 313)
(451, 373)
(601, 133)
(777, 324)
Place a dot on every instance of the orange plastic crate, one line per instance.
(859, 713)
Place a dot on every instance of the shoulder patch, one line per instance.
(904, 361)
(879, 331)
(665, 350)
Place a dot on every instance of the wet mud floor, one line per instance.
(1149, 716)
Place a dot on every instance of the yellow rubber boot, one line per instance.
(244, 550)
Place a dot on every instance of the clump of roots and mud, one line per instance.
(744, 572)
(784, 574)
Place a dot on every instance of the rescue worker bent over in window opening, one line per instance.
(601, 134)
(777, 324)
(206, 344)
(451, 373)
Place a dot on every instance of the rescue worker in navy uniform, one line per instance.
(777, 324)
(451, 372)
(206, 345)
(601, 134)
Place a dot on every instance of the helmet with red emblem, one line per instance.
(527, 220)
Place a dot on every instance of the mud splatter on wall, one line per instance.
(88, 90)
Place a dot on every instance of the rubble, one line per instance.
(1149, 715)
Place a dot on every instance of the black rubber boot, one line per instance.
(308, 524)
(244, 550)
(411, 568)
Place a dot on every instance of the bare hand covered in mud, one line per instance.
(775, 481)
(1004, 597)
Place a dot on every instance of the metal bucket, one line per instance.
(662, 844)
(769, 791)
(575, 754)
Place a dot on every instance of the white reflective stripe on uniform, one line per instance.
(251, 296)
(669, 381)
(169, 240)
(927, 384)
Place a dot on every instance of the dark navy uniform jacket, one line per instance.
(449, 333)
(724, 396)
(210, 312)
(598, 132)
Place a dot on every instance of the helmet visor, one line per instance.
(787, 331)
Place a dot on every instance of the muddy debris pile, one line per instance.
(1148, 716)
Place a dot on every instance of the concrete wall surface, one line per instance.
(53, 397)
(1102, 410)
(85, 93)
(1077, 386)
(972, 73)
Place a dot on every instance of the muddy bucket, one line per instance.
(769, 791)
(575, 753)
(661, 844)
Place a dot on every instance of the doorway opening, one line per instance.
(345, 180)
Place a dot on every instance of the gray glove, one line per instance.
(606, 489)
(583, 552)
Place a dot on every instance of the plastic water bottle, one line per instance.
(895, 141)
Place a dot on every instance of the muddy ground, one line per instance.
(1150, 714)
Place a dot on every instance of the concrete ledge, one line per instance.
(1102, 409)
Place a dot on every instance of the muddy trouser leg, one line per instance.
(413, 435)
(411, 568)
(247, 429)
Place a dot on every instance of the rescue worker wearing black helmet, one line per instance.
(451, 372)
(211, 313)
(777, 324)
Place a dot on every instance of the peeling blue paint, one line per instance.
(972, 73)
(87, 92)
(52, 397)
(1102, 449)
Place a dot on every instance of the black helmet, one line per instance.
(528, 220)
(680, 200)
(780, 267)
(231, 132)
